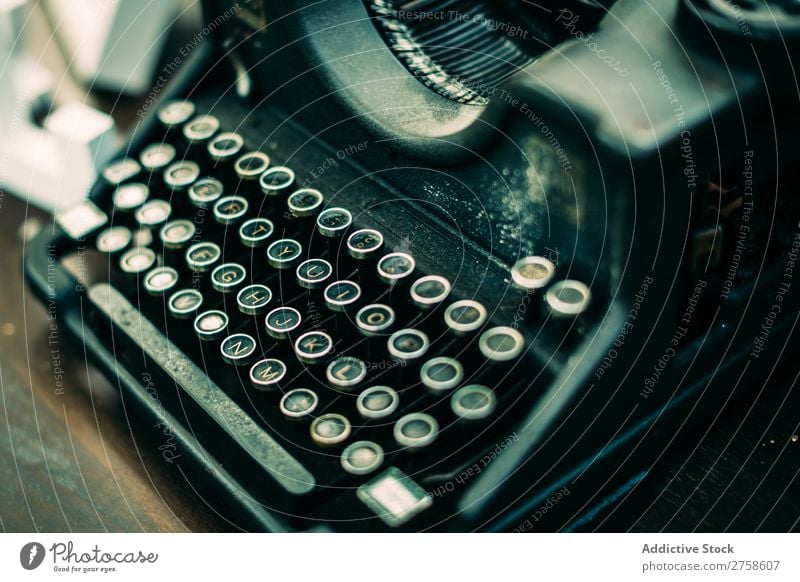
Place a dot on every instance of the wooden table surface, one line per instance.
(70, 460)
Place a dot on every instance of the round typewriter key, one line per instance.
(121, 171)
(313, 273)
(299, 403)
(137, 260)
(185, 303)
(346, 372)
(465, 316)
(362, 457)
(364, 243)
(377, 402)
(441, 374)
(129, 197)
(181, 175)
(395, 267)
(429, 291)
(225, 146)
(176, 233)
(211, 325)
(153, 213)
(227, 277)
(205, 192)
(202, 256)
(251, 165)
(501, 344)
(408, 344)
(230, 209)
(160, 280)
(114, 240)
(256, 231)
(284, 253)
(375, 319)
(266, 374)
(174, 113)
(254, 299)
(473, 402)
(568, 298)
(532, 272)
(305, 202)
(342, 296)
(333, 222)
(201, 128)
(330, 429)
(238, 349)
(313, 346)
(416, 430)
(282, 321)
(276, 180)
(157, 156)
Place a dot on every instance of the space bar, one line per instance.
(276, 460)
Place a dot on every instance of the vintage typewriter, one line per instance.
(395, 265)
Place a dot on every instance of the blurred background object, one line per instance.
(47, 155)
(62, 103)
(113, 45)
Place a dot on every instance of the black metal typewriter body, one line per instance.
(368, 296)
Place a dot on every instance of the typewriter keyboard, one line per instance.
(320, 332)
